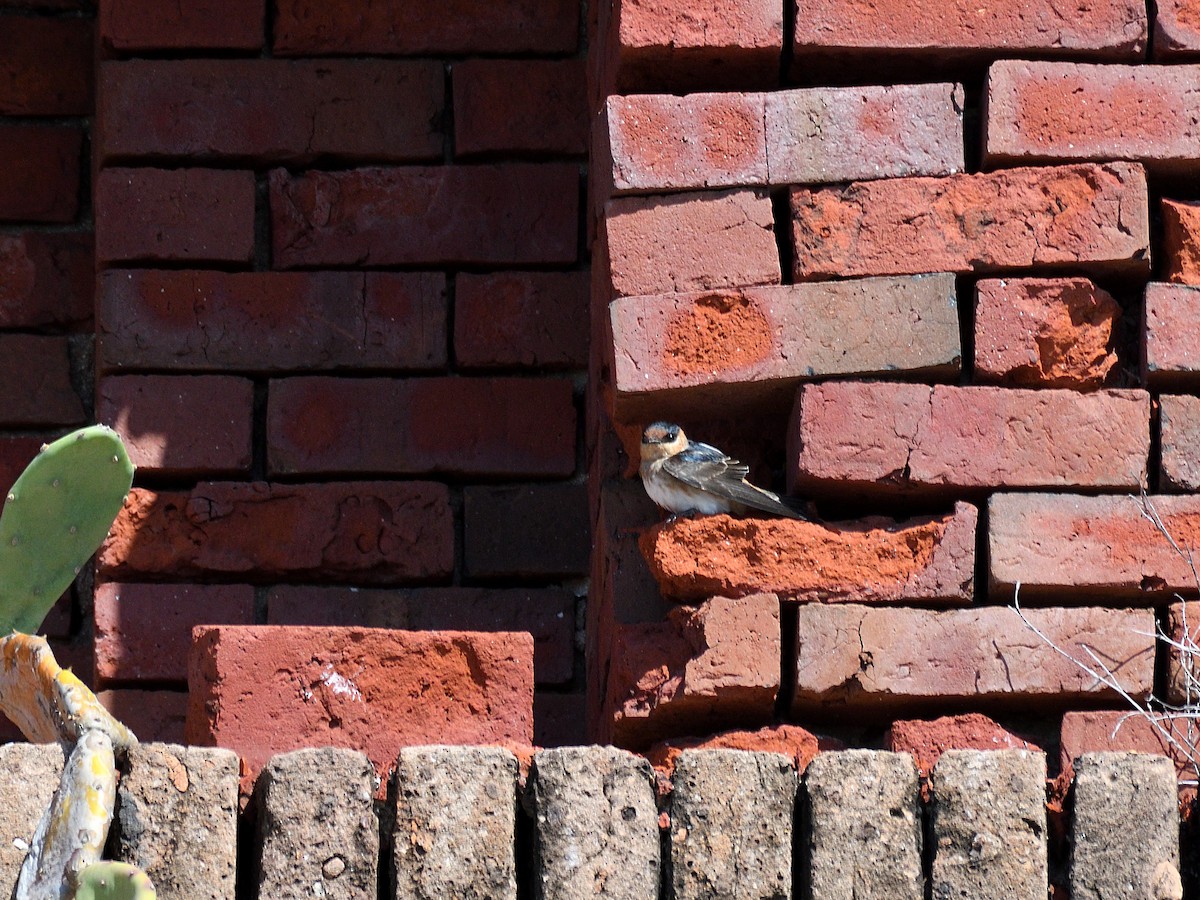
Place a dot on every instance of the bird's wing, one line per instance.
(707, 468)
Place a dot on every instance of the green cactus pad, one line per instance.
(113, 881)
(55, 517)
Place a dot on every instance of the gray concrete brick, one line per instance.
(176, 819)
(596, 825)
(1125, 837)
(456, 810)
(731, 826)
(863, 826)
(29, 776)
(317, 826)
(989, 825)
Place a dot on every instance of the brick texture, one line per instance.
(29, 84)
(525, 531)
(39, 172)
(153, 715)
(519, 106)
(46, 280)
(1116, 731)
(35, 383)
(1170, 353)
(521, 319)
(1176, 30)
(927, 740)
(127, 26)
(1181, 242)
(1179, 429)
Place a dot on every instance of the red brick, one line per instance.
(1041, 112)
(174, 215)
(713, 666)
(1183, 653)
(1062, 545)
(425, 27)
(35, 382)
(15, 454)
(39, 172)
(800, 745)
(854, 436)
(127, 26)
(625, 590)
(559, 719)
(964, 32)
(928, 740)
(1105, 731)
(1179, 460)
(520, 105)
(180, 425)
(521, 319)
(265, 110)
(725, 349)
(1044, 332)
(1181, 239)
(46, 280)
(1016, 218)
(45, 66)
(478, 426)
(1176, 30)
(669, 44)
(59, 5)
(270, 321)
(267, 690)
(1170, 346)
(144, 631)
(691, 242)
(353, 532)
(880, 661)
(526, 531)
(877, 560)
(509, 213)
(547, 613)
(154, 716)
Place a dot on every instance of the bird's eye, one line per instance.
(672, 434)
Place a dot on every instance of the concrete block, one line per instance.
(29, 776)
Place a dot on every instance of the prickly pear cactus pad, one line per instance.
(54, 518)
(113, 881)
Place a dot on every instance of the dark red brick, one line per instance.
(45, 66)
(559, 720)
(348, 532)
(509, 214)
(35, 382)
(546, 613)
(475, 426)
(144, 631)
(520, 105)
(425, 27)
(39, 172)
(46, 280)
(174, 215)
(264, 110)
(127, 26)
(521, 319)
(154, 716)
(526, 531)
(270, 321)
(180, 424)
(15, 454)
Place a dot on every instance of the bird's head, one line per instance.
(662, 439)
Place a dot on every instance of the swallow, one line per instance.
(685, 476)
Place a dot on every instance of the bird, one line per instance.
(684, 476)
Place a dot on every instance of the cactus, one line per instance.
(54, 518)
(113, 881)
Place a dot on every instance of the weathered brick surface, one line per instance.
(153, 715)
(1088, 214)
(1053, 111)
(174, 215)
(716, 664)
(928, 560)
(799, 745)
(1183, 662)
(526, 531)
(882, 660)
(861, 435)
(690, 242)
(483, 426)
(547, 613)
(425, 27)
(1120, 731)
(863, 827)
(1044, 332)
(518, 105)
(1170, 346)
(1181, 239)
(1176, 30)
(180, 424)
(989, 825)
(176, 819)
(728, 347)
(270, 321)
(266, 690)
(143, 631)
(289, 111)
(46, 66)
(358, 532)
(46, 280)
(927, 740)
(127, 26)
(1061, 545)
(35, 383)
(508, 214)
(29, 776)
(39, 172)
(521, 319)
(1179, 459)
